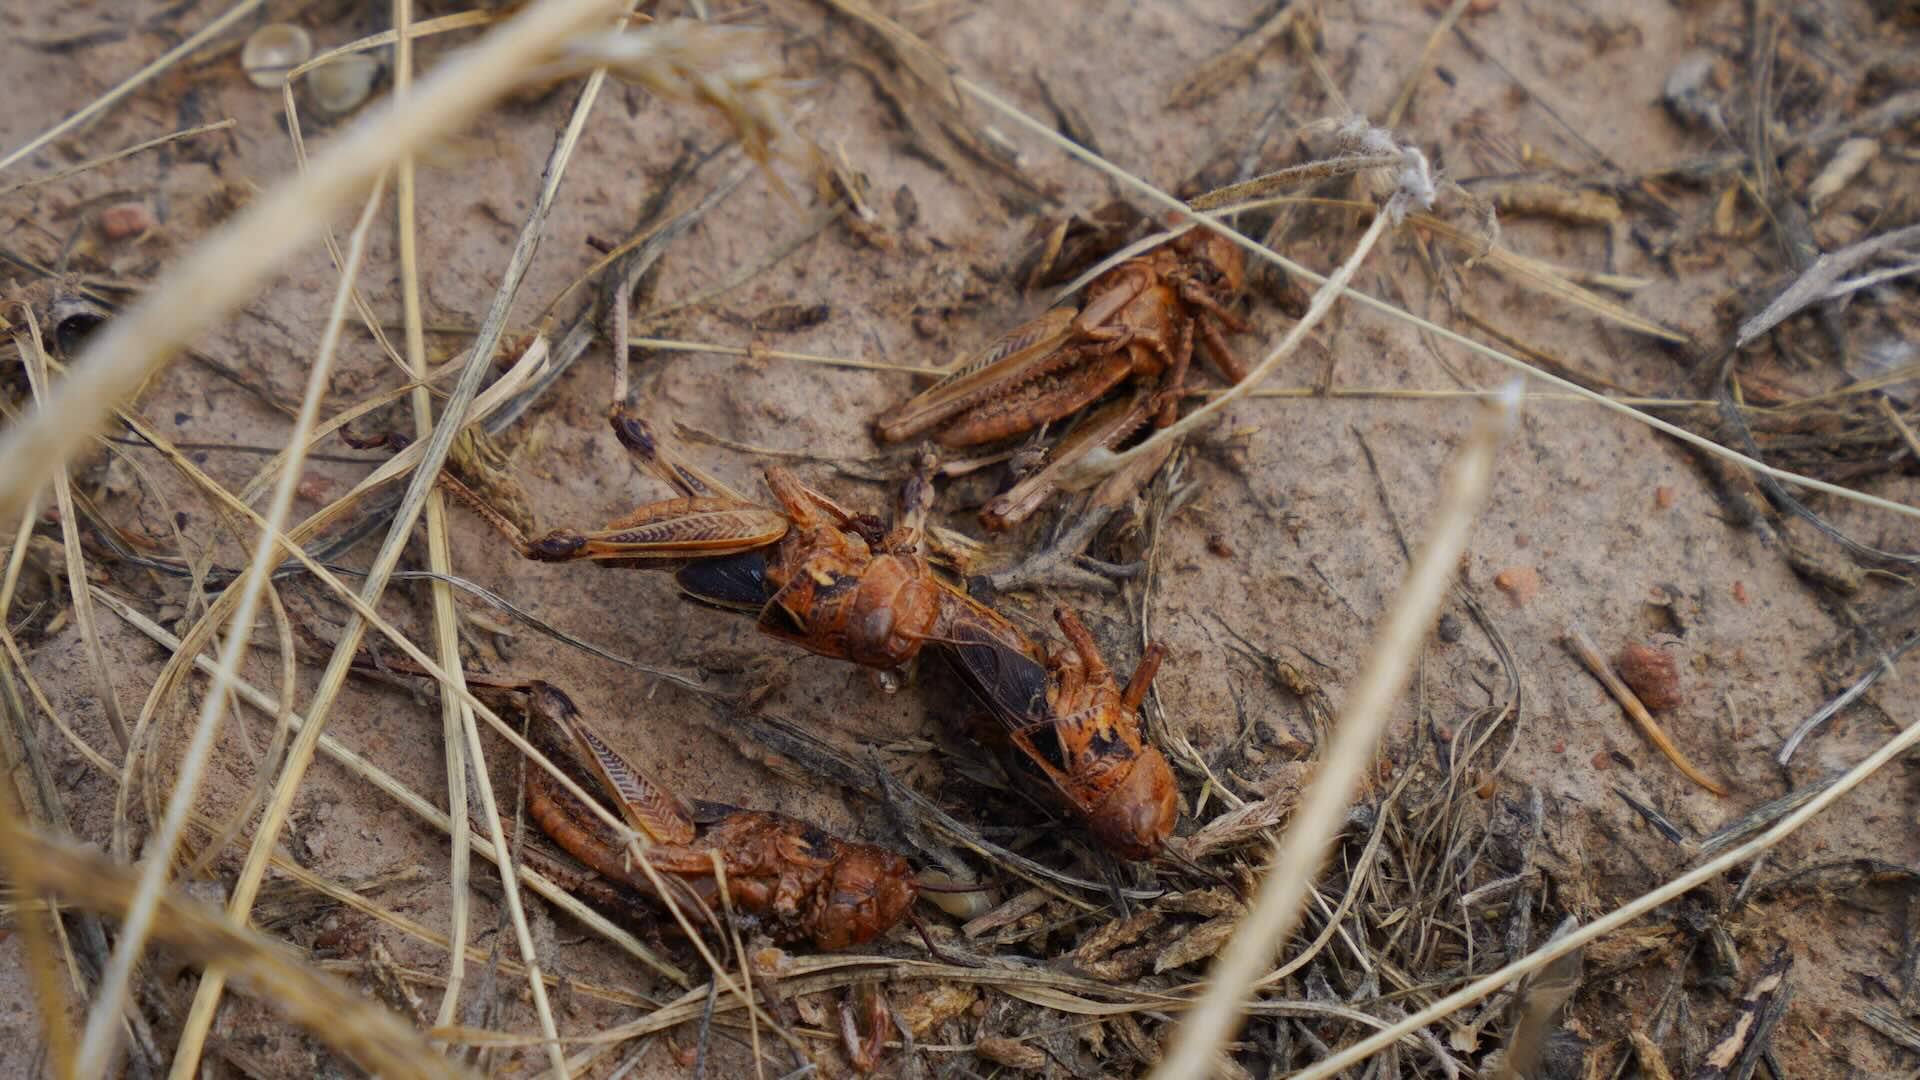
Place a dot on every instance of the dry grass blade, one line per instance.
(409, 799)
(107, 159)
(97, 1045)
(1841, 700)
(1226, 198)
(1619, 917)
(1533, 273)
(33, 919)
(421, 487)
(1293, 268)
(671, 345)
(363, 1032)
(1105, 463)
(1218, 71)
(135, 81)
(1819, 279)
(1356, 738)
(218, 274)
(34, 356)
(455, 718)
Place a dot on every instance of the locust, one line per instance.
(843, 585)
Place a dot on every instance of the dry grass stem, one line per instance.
(1589, 654)
(1350, 753)
(1228, 65)
(755, 353)
(1614, 920)
(99, 1040)
(38, 928)
(107, 159)
(402, 37)
(222, 270)
(409, 799)
(1841, 700)
(34, 356)
(363, 1032)
(135, 81)
(1393, 311)
(246, 888)
(456, 720)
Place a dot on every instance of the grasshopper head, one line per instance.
(1137, 816)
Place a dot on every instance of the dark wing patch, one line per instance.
(737, 582)
(1045, 740)
(1011, 684)
(819, 845)
(1105, 740)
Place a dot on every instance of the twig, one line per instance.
(1583, 647)
(1356, 736)
(1846, 697)
(1743, 1038)
(1619, 917)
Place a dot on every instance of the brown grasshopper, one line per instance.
(1137, 320)
(842, 585)
(794, 881)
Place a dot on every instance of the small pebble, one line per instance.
(124, 220)
(1652, 674)
(272, 52)
(1663, 497)
(1739, 592)
(960, 905)
(1520, 583)
(339, 86)
(1218, 545)
(1603, 761)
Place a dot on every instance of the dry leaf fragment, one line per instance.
(1199, 944)
(1542, 198)
(1011, 1053)
(1851, 157)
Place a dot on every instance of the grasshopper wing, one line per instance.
(1016, 357)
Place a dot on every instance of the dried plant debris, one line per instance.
(1734, 252)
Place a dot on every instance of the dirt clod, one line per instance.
(1652, 674)
(1520, 583)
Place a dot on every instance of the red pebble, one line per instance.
(124, 220)
(1652, 674)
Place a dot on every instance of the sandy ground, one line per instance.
(1621, 525)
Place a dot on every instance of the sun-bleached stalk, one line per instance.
(101, 1036)
(1350, 752)
(222, 271)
